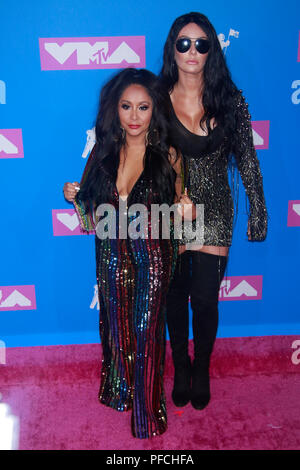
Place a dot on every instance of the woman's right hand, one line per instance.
(70, 190)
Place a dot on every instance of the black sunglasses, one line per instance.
(184, 44)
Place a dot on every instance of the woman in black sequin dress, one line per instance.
(209, 122)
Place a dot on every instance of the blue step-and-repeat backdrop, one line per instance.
(55, 56)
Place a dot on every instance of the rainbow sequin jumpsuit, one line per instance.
(133, 277)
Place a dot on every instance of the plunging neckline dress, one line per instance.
(133, 277)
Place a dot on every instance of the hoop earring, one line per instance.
(122, 137)
(147, 139)
(152, 138)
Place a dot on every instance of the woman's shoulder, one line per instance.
(241, 107)
(240, 100)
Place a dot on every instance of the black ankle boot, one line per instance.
(182, 382)
(200, 394)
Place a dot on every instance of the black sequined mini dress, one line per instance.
(206, 164)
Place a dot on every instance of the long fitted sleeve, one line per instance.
(250, 172)
(85, 211)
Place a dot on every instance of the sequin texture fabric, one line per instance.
(206, 178)
(133, 277)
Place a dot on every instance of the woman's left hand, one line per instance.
(70, 190)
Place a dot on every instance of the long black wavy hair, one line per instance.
(110, 139)
(219, 90)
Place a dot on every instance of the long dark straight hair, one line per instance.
(110, 139)
(219, 90)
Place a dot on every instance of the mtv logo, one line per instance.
(294, 214)
(17, 298)
(11, 143)
(2, 92)
(92, 53)
(261, 130)
(66, 222)
(241, 288)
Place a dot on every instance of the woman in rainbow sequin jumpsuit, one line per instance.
(131, 164)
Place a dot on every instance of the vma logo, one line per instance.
(17, 298)
(92, 53)
(261, 131)
(11, 143)
(241, 288)
(294, 214)
(66, 222)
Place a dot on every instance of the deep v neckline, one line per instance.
(187, 131)
(134, 185)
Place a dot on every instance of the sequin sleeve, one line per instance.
(85, 211)
(249, 168)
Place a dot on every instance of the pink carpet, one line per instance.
(255, 400)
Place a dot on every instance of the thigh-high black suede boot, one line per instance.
(207, 274)
(178, 326)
